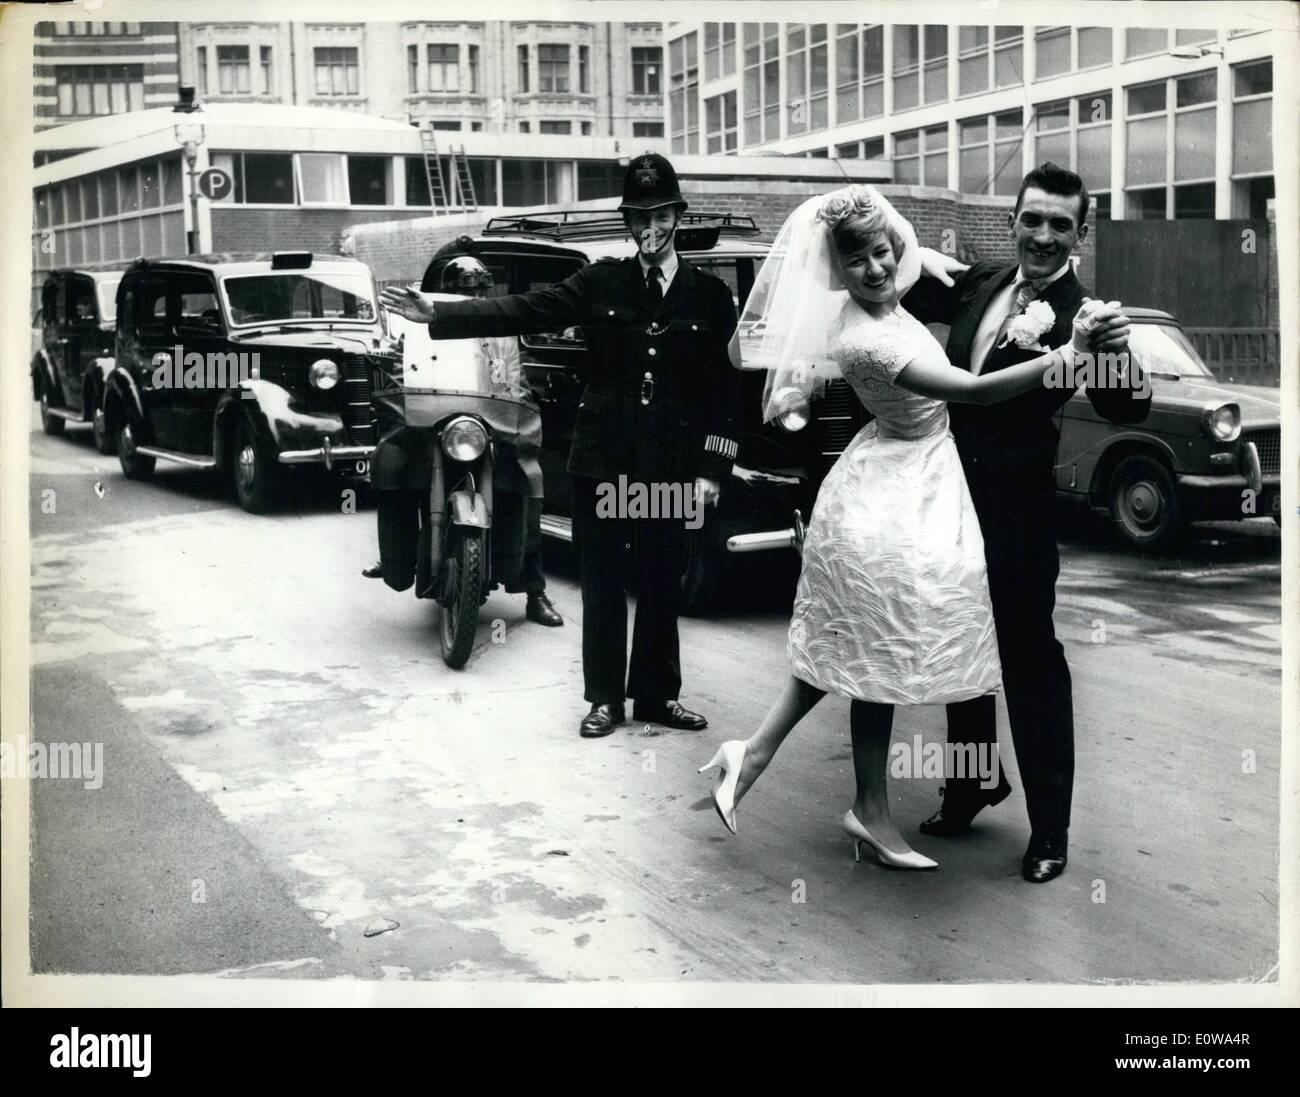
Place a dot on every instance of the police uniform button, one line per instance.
(611, 312)
(649, 376)
(652, 352)
(695, 327)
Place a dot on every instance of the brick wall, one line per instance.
(971, 227)
(235, 228)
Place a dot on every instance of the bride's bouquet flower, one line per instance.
(1031, 325)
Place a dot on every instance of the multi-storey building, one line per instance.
(573, 78)
(1160, 122)
(85, 70)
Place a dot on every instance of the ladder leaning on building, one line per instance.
(440, 186)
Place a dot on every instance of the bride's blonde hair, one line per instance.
(853, 217)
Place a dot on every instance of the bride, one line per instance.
(892, 605)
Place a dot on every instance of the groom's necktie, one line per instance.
(1023, 292)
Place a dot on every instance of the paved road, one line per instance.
(288, 764)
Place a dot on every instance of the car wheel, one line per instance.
(1144, 503)
(104, 442)
(52, 424)
(254, 470)
(135, 465)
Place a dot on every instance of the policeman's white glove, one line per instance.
(937, 265)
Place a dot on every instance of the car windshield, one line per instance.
(107, 291)
(1165, 351)
(299, 296)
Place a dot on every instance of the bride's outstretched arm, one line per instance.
(947, 382)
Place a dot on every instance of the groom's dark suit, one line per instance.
(1008, 451)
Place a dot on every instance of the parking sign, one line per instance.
(215, 183)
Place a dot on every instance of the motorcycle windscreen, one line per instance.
(481, 366)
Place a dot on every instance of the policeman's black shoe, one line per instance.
(955, 816)
(670, 714)
(601, 720)
(1045, 859)
(541, 612)
(374, 571)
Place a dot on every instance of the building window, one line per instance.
(232, 70)
(584, 70)
(719, 50)
(1144, 41)
(476, 127)
(556, 127)
(86, 90)
(445, 125)
(370, 180)
(553, 69)
(762, 83)
(81, 29)
(647, 129)
(1154, 146)
(807, 77)
(412, 69)
(1075, 133)
(721, 133)
(647, 63)
(336, 70)
(586, 129)
(972, 60)
(525, 127)
(934, 61)
(473, 58)
(728, 49)
(907, 66)
(258, 176)
(1008, 56)
(1052, 52)
(1146, 204)
(921, 157)
(523, 69)
(1094, 46)
(1252, 118)
(989, 153)
(859, 72)
(444, 67)
(1194, 201)
(322, 178)
(267, 82)
(201, 70)
(683, 93)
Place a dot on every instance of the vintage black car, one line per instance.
(1208, 449)
(251, 366)
(74, 354)
(774, 473)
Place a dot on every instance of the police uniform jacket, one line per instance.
(660, 399)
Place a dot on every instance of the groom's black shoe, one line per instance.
(670, 714)
(1045, 858)
(601, 720)
(958, 809)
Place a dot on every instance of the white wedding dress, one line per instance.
(893, 602)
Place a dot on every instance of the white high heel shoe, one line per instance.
(729, 758)
(886, 856)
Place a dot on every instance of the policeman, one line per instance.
(501, 370)
(656, 420)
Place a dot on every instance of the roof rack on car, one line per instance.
(594, 224)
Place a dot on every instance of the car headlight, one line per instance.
(792, 409)
(324, 374)
(464, 439)
(1223, 422)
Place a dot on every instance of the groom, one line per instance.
(1008, 451)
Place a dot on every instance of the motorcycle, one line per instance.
(455, 473)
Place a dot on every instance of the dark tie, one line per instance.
(654, 289)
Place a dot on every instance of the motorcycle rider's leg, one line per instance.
(398, 515)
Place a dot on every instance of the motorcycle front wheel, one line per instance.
(463, 595)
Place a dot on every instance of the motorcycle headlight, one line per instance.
(792, 410)
(1223, 422)
(464, 439)
(324, 374)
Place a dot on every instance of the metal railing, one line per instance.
(1243, 356)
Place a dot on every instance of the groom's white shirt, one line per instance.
(996, 313)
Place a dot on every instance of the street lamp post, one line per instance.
(190, 136)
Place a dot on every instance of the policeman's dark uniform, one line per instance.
(659, 407)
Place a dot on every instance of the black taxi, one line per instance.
(251, 366)
(73, 333)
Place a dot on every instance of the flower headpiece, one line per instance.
(853, 201)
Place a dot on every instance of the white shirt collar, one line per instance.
(1042, 283)
(668, 266)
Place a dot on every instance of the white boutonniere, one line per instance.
(1031, 325)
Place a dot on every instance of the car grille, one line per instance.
(358, 412)
(837, 416)
(1269, 445)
